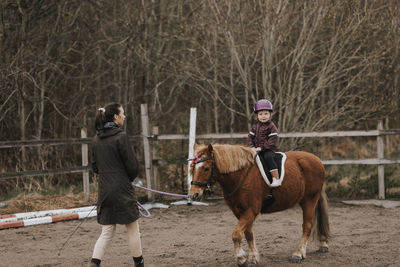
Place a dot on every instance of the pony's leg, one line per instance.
(254, 256)
(246, 219)
(308, 207)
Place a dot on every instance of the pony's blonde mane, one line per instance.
(231, 158)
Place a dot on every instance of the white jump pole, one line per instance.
(192, 139)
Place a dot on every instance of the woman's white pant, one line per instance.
(107, 234)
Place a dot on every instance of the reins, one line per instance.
(147, 215)
(160, 192)
(241, 182)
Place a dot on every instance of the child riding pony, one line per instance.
(244, 189)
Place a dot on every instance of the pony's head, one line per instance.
(212, 160)
(201, 170)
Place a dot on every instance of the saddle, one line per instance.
(280, 159)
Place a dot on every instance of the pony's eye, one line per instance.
(206, 169)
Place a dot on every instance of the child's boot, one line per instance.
(275, 178)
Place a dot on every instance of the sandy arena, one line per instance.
(201, 236)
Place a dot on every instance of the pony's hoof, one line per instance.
(296, 258)
(323, 249)
(253, 259)
(246, 264)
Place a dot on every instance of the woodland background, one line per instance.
(325, 65)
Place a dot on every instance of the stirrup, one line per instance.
(275, 182)
(268, 201)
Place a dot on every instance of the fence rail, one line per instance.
(43, 172)
(51, 142)
(282, 135)
(70, 141)
(11, 144)
(151, 170)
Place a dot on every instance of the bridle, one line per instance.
(208, 183)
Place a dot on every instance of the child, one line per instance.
(264, 137)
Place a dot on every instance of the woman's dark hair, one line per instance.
(106, 114)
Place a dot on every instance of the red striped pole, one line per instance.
(48, 219)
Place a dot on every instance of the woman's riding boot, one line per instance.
(139, 261)
(95, 263)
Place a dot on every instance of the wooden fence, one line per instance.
(151, 169)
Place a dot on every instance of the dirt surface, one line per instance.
(201, 236)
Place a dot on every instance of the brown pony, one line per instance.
(244, 189)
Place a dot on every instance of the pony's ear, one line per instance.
(195, 146)
(210, 148)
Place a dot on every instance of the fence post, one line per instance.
(381, 168)
(146, 147)
(85, 174)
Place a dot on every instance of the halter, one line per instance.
(208, 183)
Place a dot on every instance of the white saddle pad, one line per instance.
(262, 171)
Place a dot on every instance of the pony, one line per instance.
(245, 191)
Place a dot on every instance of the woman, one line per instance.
(113, 158)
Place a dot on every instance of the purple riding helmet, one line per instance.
(263, 104)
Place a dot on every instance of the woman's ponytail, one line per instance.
(106, 114)
(100, 119)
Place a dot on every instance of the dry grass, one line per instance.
(27, 202)
(37, 202)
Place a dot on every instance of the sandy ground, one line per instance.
(201, 236)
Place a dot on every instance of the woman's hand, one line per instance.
(258, 149)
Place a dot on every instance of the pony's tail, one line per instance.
(321, 218)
